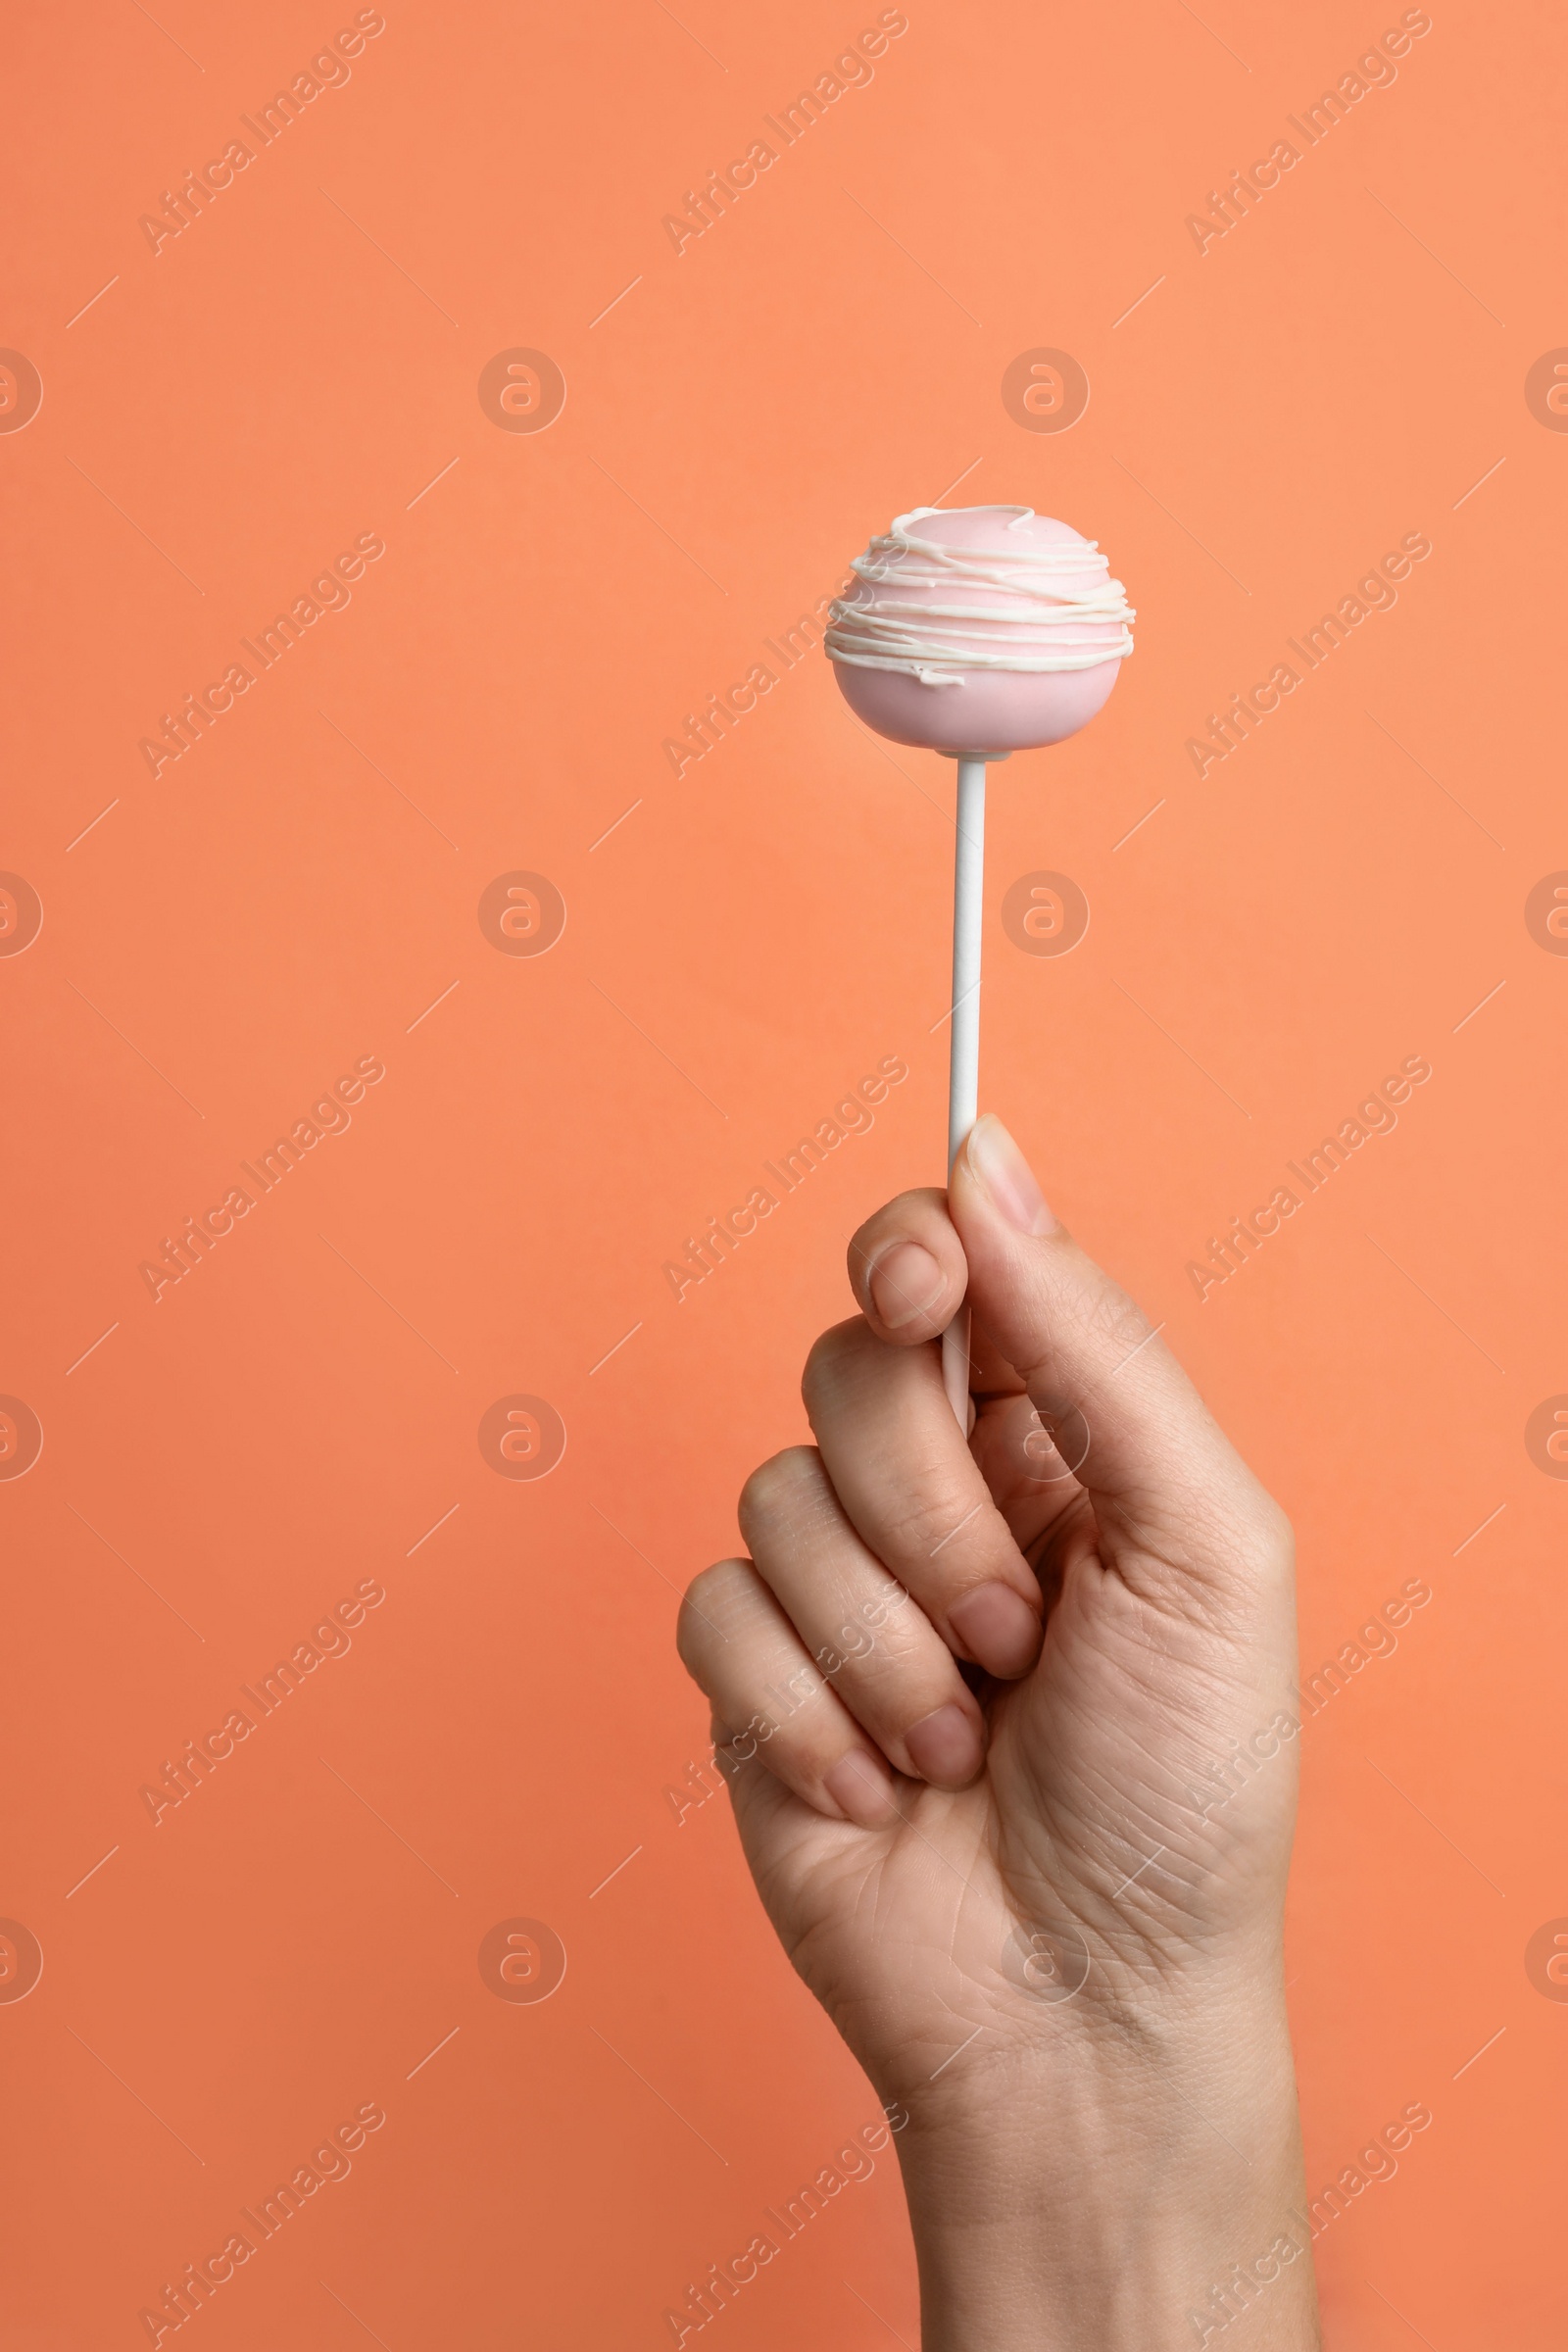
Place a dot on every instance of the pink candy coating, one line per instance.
(986, 710)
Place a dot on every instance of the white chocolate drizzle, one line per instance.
(936, 643)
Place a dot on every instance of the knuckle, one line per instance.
(831, 1363)
(1114, 1319)
(1092, 1325)
(707, 1598)
(918, 1215)
(686, 1630)
(777, 1483)
(919, 1209)
(925, 1523)
(1279, 1533)
(872, 1640)
(864, 1246)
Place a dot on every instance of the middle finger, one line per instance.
(871, 1641)
(909, 1485)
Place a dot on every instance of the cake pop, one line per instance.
(976, 631)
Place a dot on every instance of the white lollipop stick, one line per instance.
(968, 627)
(964, 1066)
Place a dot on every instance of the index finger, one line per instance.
(907, 1268)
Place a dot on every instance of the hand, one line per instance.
(1009, 1728)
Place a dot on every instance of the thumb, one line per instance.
(1161, 1472)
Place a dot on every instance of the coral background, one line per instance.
(300, 889)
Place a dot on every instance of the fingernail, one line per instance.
(946, 1747)
(862, 1787)
(1004, 1173)
(905, 1282)
(998, 1628)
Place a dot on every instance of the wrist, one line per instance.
(1117, 2187)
